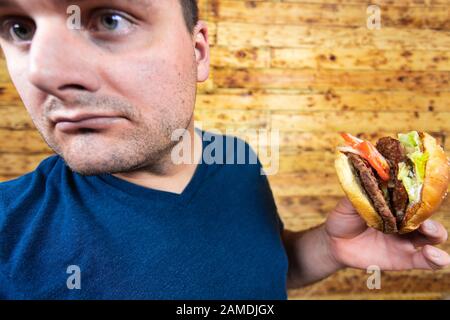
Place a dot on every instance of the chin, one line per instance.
(87, 168)
(89, 164)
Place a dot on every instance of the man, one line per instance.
(111, 215)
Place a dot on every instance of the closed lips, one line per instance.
(86, 122)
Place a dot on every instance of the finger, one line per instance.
(419, 240)
(433, 232)
(431, 258)
(429, 232)
(344, 221)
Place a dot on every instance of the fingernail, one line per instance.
(434, 252)
(430, 226)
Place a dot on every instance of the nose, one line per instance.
(61, 63)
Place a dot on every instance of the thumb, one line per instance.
(344, 221)
(345, 207)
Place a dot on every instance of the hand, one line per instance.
(355, 245)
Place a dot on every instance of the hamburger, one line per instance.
(395, 184)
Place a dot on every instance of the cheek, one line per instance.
(159, 87)
(31, 97)
(18, 72)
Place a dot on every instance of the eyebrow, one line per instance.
(144, 3)
(6, 3)
(141, 3)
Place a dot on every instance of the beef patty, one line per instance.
(394, 153)
(370, 185)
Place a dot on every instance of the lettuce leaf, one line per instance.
(412, 185)
(419, 159)
(412, 176)
(411, 141)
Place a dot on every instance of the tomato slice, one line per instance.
(376, 160)
(370, 153)
(350, 140)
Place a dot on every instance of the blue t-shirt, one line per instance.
(68, 236)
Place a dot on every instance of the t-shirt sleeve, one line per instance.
(280, 223)
(272, 203)
(268, 195)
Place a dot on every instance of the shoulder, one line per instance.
(230, 153)
(28, 186)
(43, 169)
(227, 149)
(240, 169)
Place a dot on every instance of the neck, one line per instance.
(165, 175)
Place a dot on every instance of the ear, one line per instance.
(201, 50)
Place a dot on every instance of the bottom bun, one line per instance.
(355, 192)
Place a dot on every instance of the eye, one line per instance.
(112, 23)
(18, 31)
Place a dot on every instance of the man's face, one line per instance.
(132, 60)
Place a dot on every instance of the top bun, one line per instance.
(435, 185)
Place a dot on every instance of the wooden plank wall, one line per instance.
(308, 69)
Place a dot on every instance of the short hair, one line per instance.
(190, 13)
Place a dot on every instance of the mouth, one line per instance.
(86, 124)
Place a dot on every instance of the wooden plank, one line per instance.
(337, 79)
(207, 86)
(329, 100)
(345, 15)
(15, 117)
(9, 95)
(4, 75)
(368, 122)
(240, 57)
(220, 119)
(357, 58)
(8, 178)
(212, 32)
(351, 282)
(306, 161)
(292, 295)
(19, 164)
(421, 3)
(22, 141)
(259, 35)
(305, 184)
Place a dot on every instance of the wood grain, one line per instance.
(331, 14)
